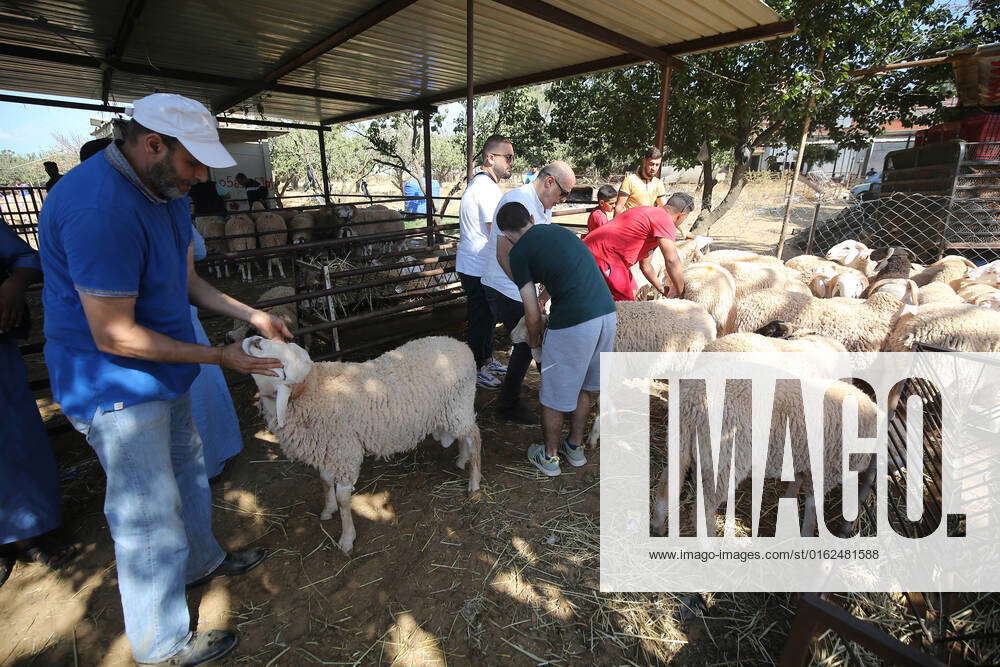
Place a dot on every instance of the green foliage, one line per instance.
(348, 157)
(818, 154)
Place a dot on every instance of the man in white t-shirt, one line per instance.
(475, 215)
(553, 185)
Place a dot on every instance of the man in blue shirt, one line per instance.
(413, 188)
(115, 242)
(30, 502)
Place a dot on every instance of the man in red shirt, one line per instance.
(632, 237)
(599, 214)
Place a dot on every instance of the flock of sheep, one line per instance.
(273, 229)
(734, 301)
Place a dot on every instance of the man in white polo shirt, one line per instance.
(475, 215)
(553, 185)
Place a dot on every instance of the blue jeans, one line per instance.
(159, 510)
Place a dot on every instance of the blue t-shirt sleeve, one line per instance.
(15, 253)
(104, 253)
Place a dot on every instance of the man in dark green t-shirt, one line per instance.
(582, 324)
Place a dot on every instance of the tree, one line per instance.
(733, 100)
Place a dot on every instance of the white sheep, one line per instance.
(976, 292)
(945, 270)
(964, 327)
(755, 276)
(381, 407)
(212, 228)
(272, 232)
(241, 224)
(861, 325)
(811, 266)
(690, 250)
(301, 227)
(727, 256)
(854, 254)
(712, 286)
(663, 325)
(937, 293)
(374, 219)
(786, 401)
(849, 285)
(902, 288)
(987, 273)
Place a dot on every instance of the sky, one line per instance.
(28, 128)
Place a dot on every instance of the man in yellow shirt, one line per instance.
(643, 187)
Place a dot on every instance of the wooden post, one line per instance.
(798, 165)
(661, 117)
(469, 79)
(322, 165)
(428, 181)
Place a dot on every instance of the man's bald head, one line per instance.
(554, 183)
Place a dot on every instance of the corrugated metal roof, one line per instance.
(418, 51)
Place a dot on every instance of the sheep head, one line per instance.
(988, 273)
(846, 252)
(296, 366)
(776, 329)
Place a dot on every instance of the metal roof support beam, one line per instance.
(349, 31)
(79, 60)
(107, 108)
(734, 38)
(114, 54)
(469, 83)
(560, 17)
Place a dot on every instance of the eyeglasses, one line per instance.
(562, 193)
(507, 156)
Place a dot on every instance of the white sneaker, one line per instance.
(495, 367)
(486, 380)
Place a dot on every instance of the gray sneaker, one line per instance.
(548, 466)
(572, 453)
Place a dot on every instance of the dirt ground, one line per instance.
(435, 578)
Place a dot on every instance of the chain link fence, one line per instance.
(929, 225)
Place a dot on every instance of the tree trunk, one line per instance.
(707, 218)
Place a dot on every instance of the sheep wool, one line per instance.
(381, 407)
(937, 293)
(945, 270)
(860, 325)
(713, 287)
(785, 401)
(963, 327)
(663, 325)
(810, 266)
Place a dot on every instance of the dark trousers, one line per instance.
(481, 320)
(510, 312)
(258, 194)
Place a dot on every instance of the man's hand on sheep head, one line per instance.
(270, 326)
(234, 358)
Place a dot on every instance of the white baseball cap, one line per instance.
(187, 120)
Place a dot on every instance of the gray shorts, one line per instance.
(571, 360)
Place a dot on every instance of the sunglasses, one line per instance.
(562, 193)
(507, 156)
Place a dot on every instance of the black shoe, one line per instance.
(518, 414)
(204, 647)
(6, 567)
(235, 563)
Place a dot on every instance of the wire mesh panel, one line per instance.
(929, 225)
(936, 200)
